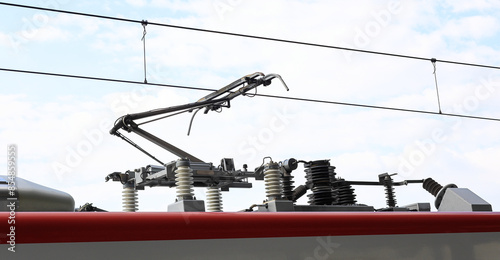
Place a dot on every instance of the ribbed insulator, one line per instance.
(390, 196)
(345, 193)
(214, 199)
(129, 199)
(319, 175)
(184, 182)
(272, 179)
(288, 187)
(432, 186)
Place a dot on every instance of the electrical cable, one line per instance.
(143, 22)
(258, 95)
(103, 79)
(380, 107)
(251, 36)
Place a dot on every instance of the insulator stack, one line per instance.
(390, 196)
(288, 187)
(389, 190)
(319, 175)
(436, 189)
(129, 198)
(432, 186)
(289, 165)
(386, 180)
(214, 199)
(184, 180)
(345, 192)
(272, 179)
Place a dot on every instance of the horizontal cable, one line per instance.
(259, 95)
(252, 36)
(380, 107)
(103, 79)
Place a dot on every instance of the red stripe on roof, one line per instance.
(55, 227)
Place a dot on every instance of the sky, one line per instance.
(61, 125)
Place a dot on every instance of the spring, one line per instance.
(432, 186)
(129, 199)
(345, 192)
(288, 187)
(319, 175)
(214, 199)
(272, 179)
(184, 181)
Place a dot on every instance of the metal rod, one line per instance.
(165, 145)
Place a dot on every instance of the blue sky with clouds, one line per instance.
(59, 121)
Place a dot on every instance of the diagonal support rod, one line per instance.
(165, 145)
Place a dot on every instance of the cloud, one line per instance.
(138, 3)
(72, 130)
(192, 7)
(472, 27)
(5, 40)
(467, 6)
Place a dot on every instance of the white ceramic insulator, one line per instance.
(129, 199)
(184, 182)
(272, 179)
(214, 200)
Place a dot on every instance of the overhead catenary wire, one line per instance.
(273, 96)
(380, 107)
(142, 22)
(102, 79)
(257, 95)
(252, 36)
